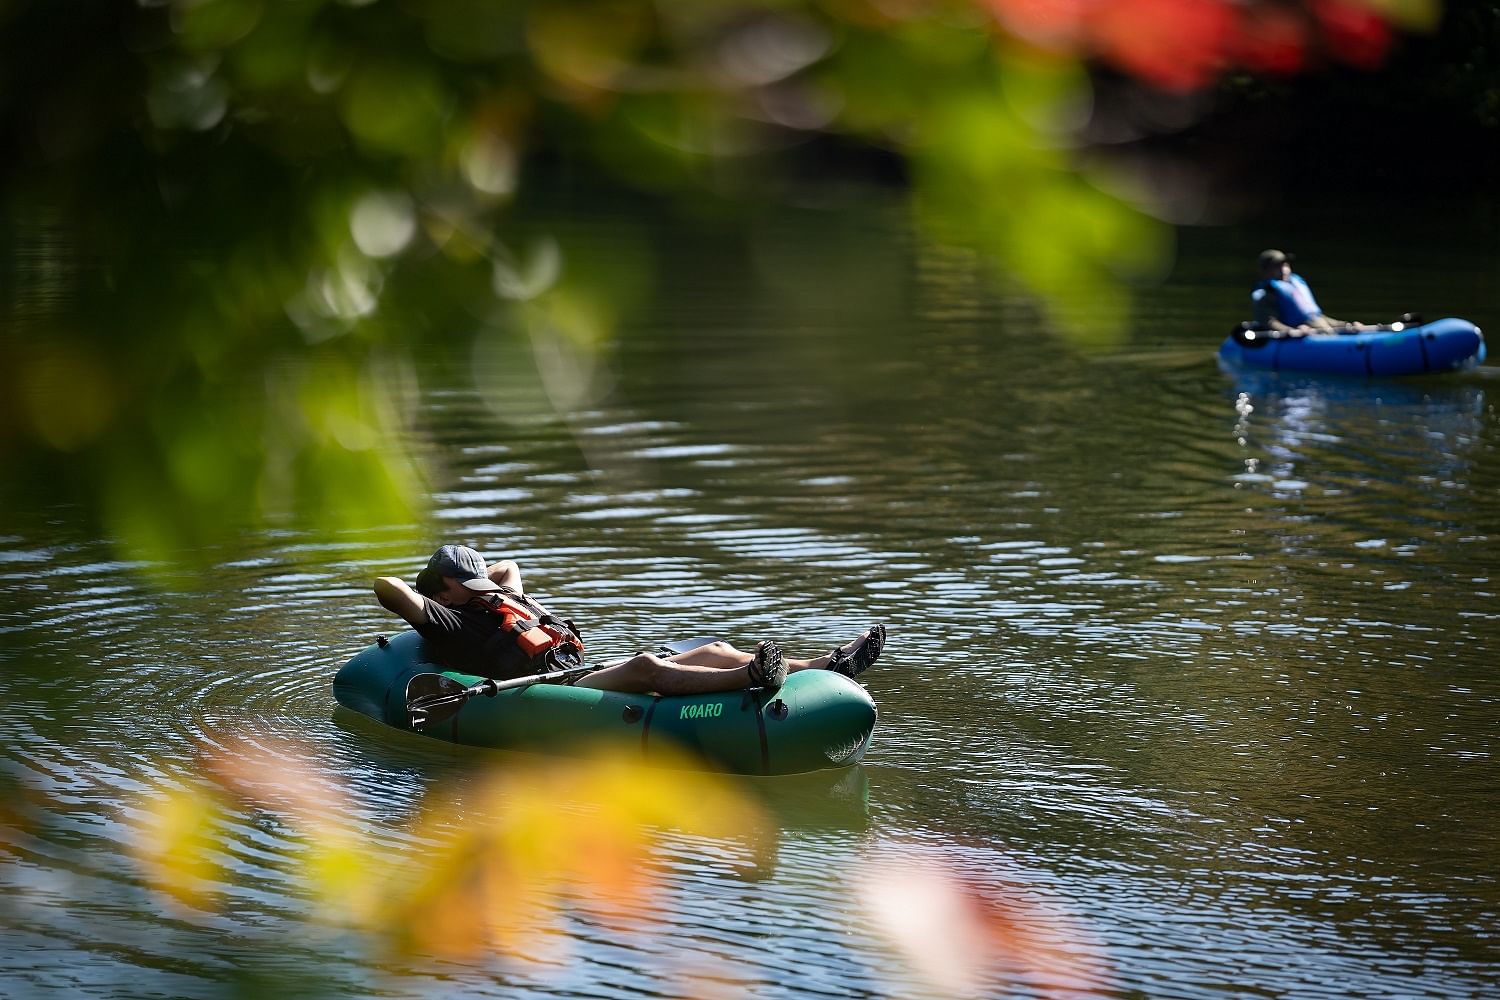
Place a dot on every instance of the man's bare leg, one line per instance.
(723, 656)
(647, 672)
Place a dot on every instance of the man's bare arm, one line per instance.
(506, 573)
(396, 597)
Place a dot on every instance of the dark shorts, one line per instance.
(568, 663)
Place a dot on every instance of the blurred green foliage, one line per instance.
(231, 223)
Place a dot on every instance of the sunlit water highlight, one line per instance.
(1191, 676)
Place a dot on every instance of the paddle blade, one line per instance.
(433, 698)
(427, 686)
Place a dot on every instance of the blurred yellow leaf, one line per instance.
(177, 847)
(589, 44)
(484, 873)
(1416, 15)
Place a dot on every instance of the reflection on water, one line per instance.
(1189, 691)
(1305, 421)
(1379, 464)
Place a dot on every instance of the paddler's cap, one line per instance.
(458, 561)
(1269, 258)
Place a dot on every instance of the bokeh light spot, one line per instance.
(382, 223)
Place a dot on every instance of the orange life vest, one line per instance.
(544, 639)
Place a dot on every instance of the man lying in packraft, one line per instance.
(477, 619)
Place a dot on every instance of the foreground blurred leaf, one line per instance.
(488, 870)
(964, 934)
(178, 848)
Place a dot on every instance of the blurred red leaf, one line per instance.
(1185, 44)
(1174, 44)
(967, 934)
(1272, 40)
(1053, 24)
(1354, 33)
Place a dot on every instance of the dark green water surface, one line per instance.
(1204, 665)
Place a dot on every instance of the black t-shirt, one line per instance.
(468, 639)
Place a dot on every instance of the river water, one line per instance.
(1194, 674)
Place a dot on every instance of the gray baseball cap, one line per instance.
(458, 561)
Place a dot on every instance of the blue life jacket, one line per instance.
(1290, 301)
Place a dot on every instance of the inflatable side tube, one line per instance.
(1440, 346)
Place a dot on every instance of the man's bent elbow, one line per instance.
(387, 589)
(505, 573)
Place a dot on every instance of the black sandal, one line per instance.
(768, 669)
(855, 663)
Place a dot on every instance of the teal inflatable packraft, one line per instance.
(818, 719)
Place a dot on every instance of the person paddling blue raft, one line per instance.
(1291, 332)
(1284, 302)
